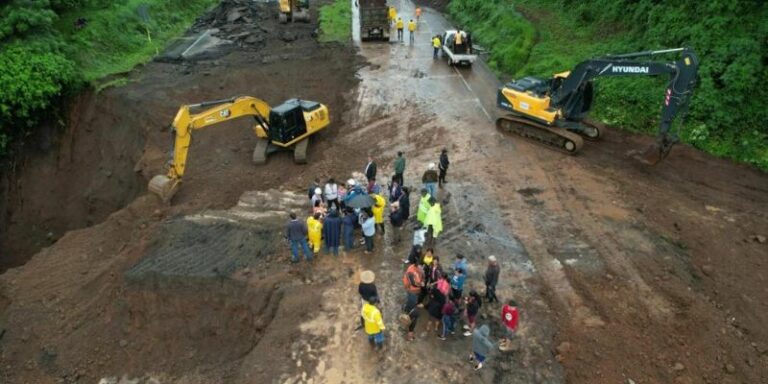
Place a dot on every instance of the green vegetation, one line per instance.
(336, 21)
(727, 117)
(44, 57)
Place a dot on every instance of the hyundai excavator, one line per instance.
(293, 11)
(287, 126)
(552, 111)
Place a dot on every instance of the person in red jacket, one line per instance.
(510, 317)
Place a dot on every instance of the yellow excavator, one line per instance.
(553, 111)
(294, 10)
(287, 126)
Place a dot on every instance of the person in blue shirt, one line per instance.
(460, 263)
(457, 283)
(368, 225)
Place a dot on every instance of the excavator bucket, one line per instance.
(656, 152)
(164, 187)
(301, 15)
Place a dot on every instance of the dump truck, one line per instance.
(374, 20)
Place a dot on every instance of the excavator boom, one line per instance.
(279, 132)
(561, 103)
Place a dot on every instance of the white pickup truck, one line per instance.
(461, 53)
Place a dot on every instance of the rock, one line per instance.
(563, 348)
(730, 368)
(246, 271)
(758, 238)
(678, 366)
(288, 36)
(707, 269)
(630, 381)
(234, 15)
(253, 39)
(123, 343)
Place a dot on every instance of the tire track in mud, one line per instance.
(610, 252)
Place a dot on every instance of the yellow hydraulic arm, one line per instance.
(185, 122)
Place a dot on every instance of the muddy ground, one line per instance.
(624, 273)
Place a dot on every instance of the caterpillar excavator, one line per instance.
(294, 10)
(287, 126)
(552, 111)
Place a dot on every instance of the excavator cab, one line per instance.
(294, 10)
(287, 120)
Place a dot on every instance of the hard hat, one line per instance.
(367, 277)
(492, 258)
(318, 191)
(431, 165)
(351, 182)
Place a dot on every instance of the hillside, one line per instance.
(727, 117)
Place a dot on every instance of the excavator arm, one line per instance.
(186, 122)
(572, 95)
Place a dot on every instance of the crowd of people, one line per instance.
(351, 215)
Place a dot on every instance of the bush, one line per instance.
(30, 79)
(496, 24)
(43, 56)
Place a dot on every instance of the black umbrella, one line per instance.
(360, 200)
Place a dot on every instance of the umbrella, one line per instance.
(360, 200)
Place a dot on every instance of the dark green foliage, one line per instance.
(727, 115)
(43, 56)
(496, 24)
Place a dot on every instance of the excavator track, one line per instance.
(260, 152)
(552, 137)
(592, 130)
(300, 151)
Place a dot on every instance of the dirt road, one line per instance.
(623, 272)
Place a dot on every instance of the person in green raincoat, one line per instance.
(434, 221)
(421, 215)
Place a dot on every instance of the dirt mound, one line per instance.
(161, 307)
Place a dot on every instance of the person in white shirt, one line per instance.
(332, 194)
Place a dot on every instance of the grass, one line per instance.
(496, 24)
(336, 21)
(125, 33)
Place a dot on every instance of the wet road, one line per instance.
(419, 105)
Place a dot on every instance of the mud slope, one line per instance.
(118, 138)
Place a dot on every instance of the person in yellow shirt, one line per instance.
(411, 31)
(378, 212)
(392, 15)
(436, 43)
(315, 232)
(373, 322)
(433, 222)
(421, 214)
(399, 26)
